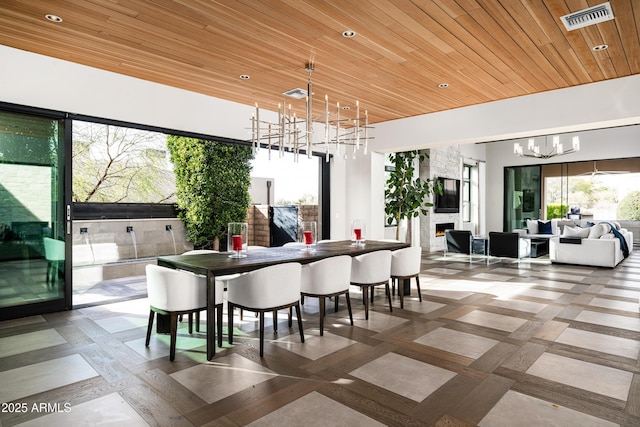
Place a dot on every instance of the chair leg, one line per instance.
(290, 317)
(418, 284)
(275, 321)
(174, 333)
(401, 293)
(150, 327)
(349, 307)
(386, 288)
(198, 321)
(190, 323)
(321, 300)
(365, 298)
(372, 288)
(336, 304)
(230, 322)
(299, 315)
(262, 333)
(219, 325)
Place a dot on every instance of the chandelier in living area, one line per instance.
(294, 134)
(533, 149)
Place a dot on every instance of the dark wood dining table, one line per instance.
(218, 264)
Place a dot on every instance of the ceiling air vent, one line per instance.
(586, 17)
(296, 93)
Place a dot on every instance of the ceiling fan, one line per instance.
(599, 172)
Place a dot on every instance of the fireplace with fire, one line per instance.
(440, 228)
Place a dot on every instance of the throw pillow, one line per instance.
(576, 232)
(532, 226)
(617, 225)
(607, 236)
(544, 227)
(599, 230)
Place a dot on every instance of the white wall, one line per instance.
(363, 187)
(339, 225)
(377, 197)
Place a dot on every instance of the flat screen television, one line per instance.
(449, 200)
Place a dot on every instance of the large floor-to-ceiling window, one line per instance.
(32, 214)
(599, 189)
(63, 177)
(471, 194)
(589, 190)
(124, 196)
(123, 209)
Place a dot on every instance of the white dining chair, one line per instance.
(174, 292)
(267, 289)
(405, 265)
(329, 277)
(369, 270)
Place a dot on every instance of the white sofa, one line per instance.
(597, 246)
(533, 228)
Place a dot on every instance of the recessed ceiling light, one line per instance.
(600, 47)
(348, 34)
(245, 76)
(346, 107)
(53, 18)
(443, 85)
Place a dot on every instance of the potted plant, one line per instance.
(407, 195)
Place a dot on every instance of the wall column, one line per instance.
(442, 162)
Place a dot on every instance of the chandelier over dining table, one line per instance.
(343, 135)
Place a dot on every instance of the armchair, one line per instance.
(463, 242)
(509, 245)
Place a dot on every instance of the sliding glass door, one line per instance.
(33, 252)
(522, 196)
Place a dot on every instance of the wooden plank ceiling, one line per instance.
(485, 50)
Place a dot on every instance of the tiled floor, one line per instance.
(503, 344)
